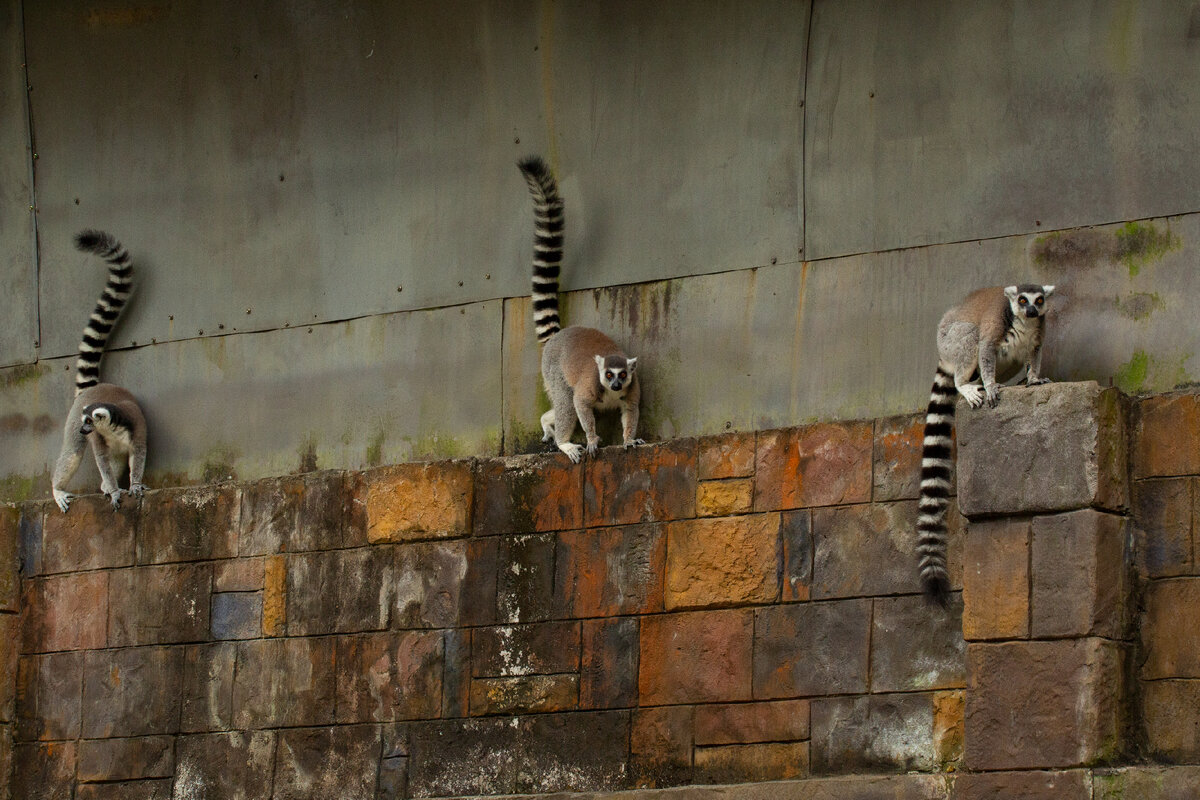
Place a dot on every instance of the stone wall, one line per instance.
(727, 610)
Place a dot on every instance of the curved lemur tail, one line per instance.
(547, 244)
(936, 464)
(108, 307)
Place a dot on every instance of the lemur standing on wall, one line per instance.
(106, 415)
(988, 337)
(583, 369)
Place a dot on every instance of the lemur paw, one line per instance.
(573, 451)
(63, 499)
(593, 448)
(993, 397)
(137, 489)
(1037, 381)
(633, 443)
(115, 497)
(972, 394)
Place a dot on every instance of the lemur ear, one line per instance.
(631, 363)
(1010, 292)
(599, 361)
(1048, 290)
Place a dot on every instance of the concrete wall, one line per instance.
(771, 204)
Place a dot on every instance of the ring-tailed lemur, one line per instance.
(104, 414)
(989, 337)
(582, 368)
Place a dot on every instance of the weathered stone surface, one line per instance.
(996, 579)
(660, 746)
(206, 702)
(305, 770)
(729, 455)
(389, 676)
(339, 591)
(46, 771)
(696, 657)
(10, 561)
(897, 458)
(524, 695)
(746, 723)
(744, 763)
(1056, 447)
(159, 605)
(1042, 705)
(393, 777)
(722, 498)
(607, 572)
(608, 668)
(1081, 581)
(525, 578)
(188, 524)
(586, 751)
(133, 691)
(795, 531)
(1164, 510)
(864, 550)
(1166, 435)
(237, 615)
(10, 628)
(811, 649)
(881, 732)
(916, 647)
(239, 575)
(317, 511)
(65, 612)
(816, 465)
(722, 561)
(1146, 783)
(49, 696)
(30, 538)
(274, 614)
(1034, 785)
(456, 677)
(527, 494)
(444, 584)
(544, 648)
(91, 536)
(153, 789)
(949, 712)
(1171, 714)
(126, 759)
(284, 683)
(1172, 649)
(409, 502)
(270, 515)
(232, 766)
(642, 484)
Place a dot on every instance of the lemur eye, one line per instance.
(622, 376)
(1023, 301)
(1039, 301)
(608, 375)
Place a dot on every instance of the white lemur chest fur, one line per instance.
(1018, 343)
(117, 437)
(610, 400)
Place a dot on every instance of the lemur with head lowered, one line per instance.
(583, 369)
(106, 415)
(988, 337)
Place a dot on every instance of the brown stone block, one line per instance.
(641, 484)
(444, 584)
(270, 515)
(1080, 578)
(10, 560)
(90, 536)
(239, 764)
(1171, 712)
(456, 678)
(916, 647)
(188, 524)
(1169, 641)
(722, 561)
(239, 575)
(696, 657)
(529, 694)
(152, 789)
(274, 612)
(339, 591)
(996, 580)
(722, 498)
(811, 649)
(744, 763)
(305, 770)
(1164, 511)
(389, 676)
(661, 746)
(1149, 782)
(795, 530)
(126, 759)
(10, 629)
(608, 668)
(67, 612)
(206, 702)
(525, 578)
(897, 458)
(816, 465)
(864, 550)
(527, 494)
(410, 502)
(876, 733)
(949, 712)
(729, 455)
(1040, 705)
(577, 752)
(49, 693)
(544, 648)
(47, 770)
(1033, 785)
(747, 723)
(132, 692)
(316, 511)
(1166, 435)
(606, 572)
(159, 605)
(284, 683)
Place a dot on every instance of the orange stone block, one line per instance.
(948, 711)
(411, 502)
(1167, 436)
(746, 763)
(996, 580)
(721, 498)
(274, 612)
(727, 456)
(720, 561)
(898, 442)
(746, 723)
(816, 465)
(696, 657)
(68, 612)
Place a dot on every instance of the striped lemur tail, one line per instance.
(108, 307)
(547, 244)
(936, 464)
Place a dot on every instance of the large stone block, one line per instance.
(456, 678)
(525, 578)
(746, 723)
(696, 657)
(188, 524)
(1044, 705)
(339, 591)
(722, 561)
(722, 498)
(149, 789)
(580, 752)
(816, 465)
(864, 550)
(10, 560)
(305, 770)
(527, 494)
(1166, 435)
(389, 676)
(660, 745)
(444, 584)
(748, 763)
(795, 532)
(133, 691)
(159, 605)
(240, 574)
(1055, 447)
(606, 572)
(544, 648)
(90, 536)
(1081, 578)
(529, 694)
(996, 579)
(317, 511)
(875, 733)
(232, 766)
(1171, 715)
(49, 696)
(46, 771)
(206, 701)
(410, 502)
(126, 759)
(284, 683)
(236, 615)
(1146, 783)
(1164, 510)
(1169, 641)
(642, 484)
(608, 665)
(65, 612)
(729, 455)
(10, 629)
(897, 458)
(1032, 785)
(916, 647)
(811, 649)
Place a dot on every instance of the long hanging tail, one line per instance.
(108, 307)
(936, 464)
(547, 244)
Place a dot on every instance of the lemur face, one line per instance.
(92, 416)
(615, 371)
(1028, 299)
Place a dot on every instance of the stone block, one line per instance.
(236, 615)
(897, 458)
(10, 628)
(159, 605)
(304, 769)
(608, 668)
(233, 766)
(696, 657)
(1081, 581)
(606, 572)
(875, 733)
(817, 465)
(274, 618)
(544, 648)
(749, 723)
(132, 691)
(1055, 447)
(317, 511)
(527, 494)
(722, 561)
(642, 484)
(1171, 715)
(530, 694)
(393, 777)
(864, 550)
(65, 612)
(30, 538)
(443, 584)
(10, 560)
(188, 524)
(206, 702)
(1145, 783)
(126, 759)
(996, 579)
(1164, 510)
(270, 515)
(90, 536)
(240, 575)
(154, 789)
(811, 649)
(339, 591)
(284, 683)
(49, 698)
(525, 578)
(1044, 705)
(1166, 435)
(795, 531)
(949, 712)
(456, 677)
(660, 746)
(46, 772)
(722, 498)
(747, 763)
(1032, 785)
(410, 502)
(729, 455)
(383, 677)
(579, 752)
(915, 647)
(1168, 629)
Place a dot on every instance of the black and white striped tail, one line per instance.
(547, 244)
(936, 465)
(108, 307)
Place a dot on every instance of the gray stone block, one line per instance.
(234, 766)
(305, 769)
(875, 733)
(133, 691)
(237, 615)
